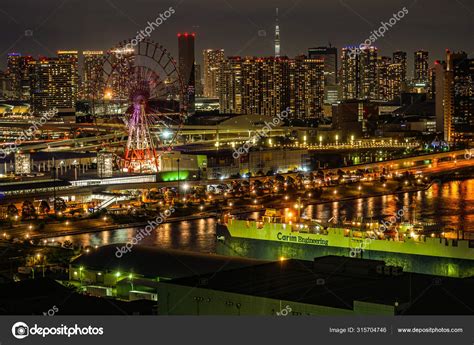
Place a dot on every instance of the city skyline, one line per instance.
(308, 158)
(252, 32)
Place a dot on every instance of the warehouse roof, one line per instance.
(340, 281)
(157, 262)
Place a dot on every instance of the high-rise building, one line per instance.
(18, 76)
(355, 117)
(15, 63)
(389, 79)
(307, 91)
(25, 82)
(92, 73)
(350, 85)
(458, 98)
(438, 91)
(329, 56)
(212, 59)
(431, 87)
(198, 80)
(117, 83)
(230, 85)
(68, 61)
(400, 57)
(186, 60)
(368, 73)
(277, 36)
(267, 86)
(421, 67)
(395, 84)
(54, 82)
(5, 92)
(383, 63)
(359, 73)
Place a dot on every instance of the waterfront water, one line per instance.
(451, 205)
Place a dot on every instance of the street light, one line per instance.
(80, 274)
(178, 176)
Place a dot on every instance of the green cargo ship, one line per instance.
(275, 237)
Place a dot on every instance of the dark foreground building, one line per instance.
(330, 285)
(136, 274)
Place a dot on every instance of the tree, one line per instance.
(279, 178)
(12, 211)
(44, 207)
(59, 205)
(28, 210)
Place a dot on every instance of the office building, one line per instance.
(54, 82)
(359, 74)
(329, 57)
(198, 80)
(355, 117)
(368, 73)
(438, 93)
(383, 63)
(395, 84)
(212, 60)
(458, 98)
(186, 67)
(350, 86)
(421, 67)
(400, 57)
(92, 73)
(18, 75)
(13, 74)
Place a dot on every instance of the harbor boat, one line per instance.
(284, 235)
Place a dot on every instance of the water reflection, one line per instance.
(451, 205)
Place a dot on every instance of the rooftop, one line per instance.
(339, 281)
(156, 262)
(38, 296)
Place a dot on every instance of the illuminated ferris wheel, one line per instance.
(141, 85)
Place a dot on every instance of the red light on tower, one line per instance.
(185, 34)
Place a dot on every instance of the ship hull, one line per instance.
(275, 250)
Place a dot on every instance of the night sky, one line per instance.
(241, 27)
